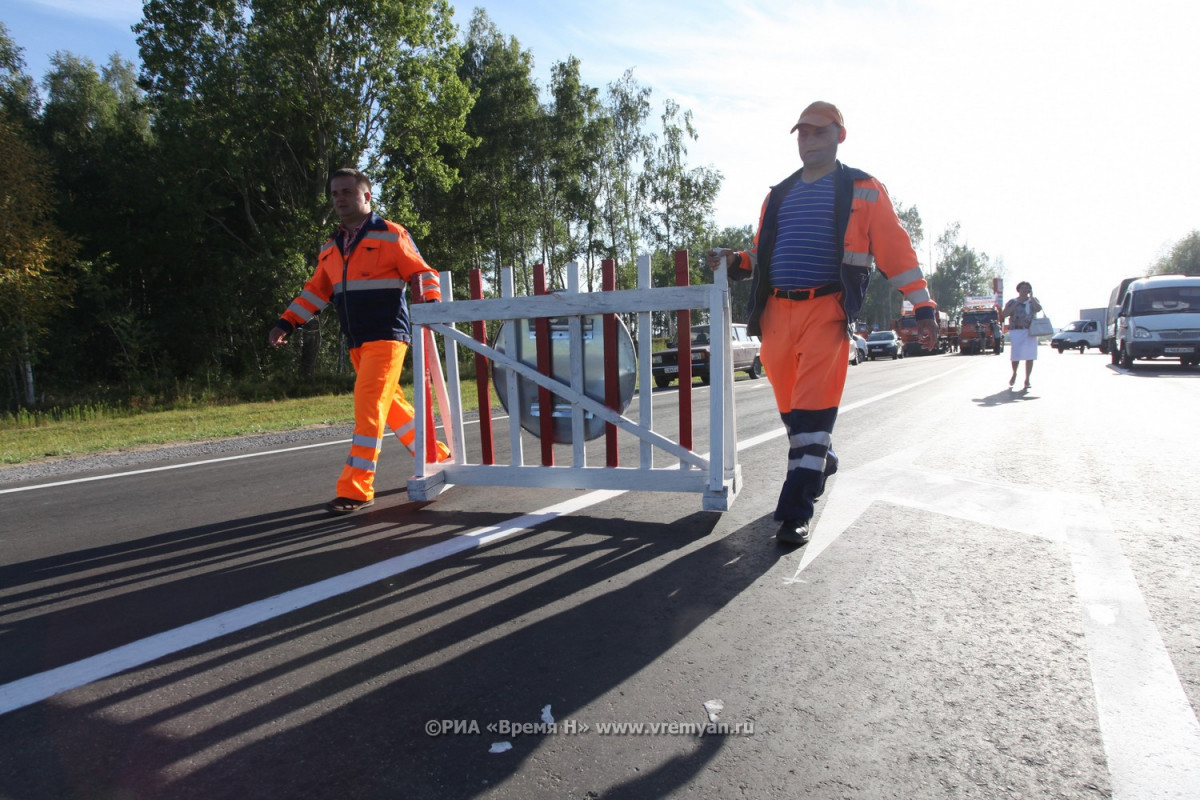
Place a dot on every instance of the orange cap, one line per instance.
(820, 114)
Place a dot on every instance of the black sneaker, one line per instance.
(793, 531)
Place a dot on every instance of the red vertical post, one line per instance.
(481, 377)
(683, 325)
(545, 366)
(612, 386)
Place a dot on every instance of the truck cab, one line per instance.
(979, 330)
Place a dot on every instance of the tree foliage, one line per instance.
(883, 303)
(961, 272)
(197, 188)
(32, 254)
(1184, 258)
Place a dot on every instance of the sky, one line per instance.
(1060, 135)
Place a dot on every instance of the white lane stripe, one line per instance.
(35, 688)
(1150, 732)
(170, 466)
(183, 466)
(756, 440)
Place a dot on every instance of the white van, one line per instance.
(1159, 317)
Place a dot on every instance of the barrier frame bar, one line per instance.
(716, 476)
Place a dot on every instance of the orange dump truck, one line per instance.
(906, 327)
(979, 330)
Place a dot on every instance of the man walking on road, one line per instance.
(818, 231)
(363, 269)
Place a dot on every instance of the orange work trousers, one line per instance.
(379, 403)
(805, 353)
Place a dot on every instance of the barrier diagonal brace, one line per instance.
(567, 393)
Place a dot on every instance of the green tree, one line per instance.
(96, 130)
(627, 147)
(961, 272)
(678, 203)
(257, 102)
(18, 93)
(490, 219)
(569, 163)
(884, 303)
(1184, 258)
(33, 255)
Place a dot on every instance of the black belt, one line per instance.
(807, 294)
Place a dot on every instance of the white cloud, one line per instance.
(1058, 133)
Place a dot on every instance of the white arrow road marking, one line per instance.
(1151, 735)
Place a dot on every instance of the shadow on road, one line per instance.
(1015, 395)
(332, 700)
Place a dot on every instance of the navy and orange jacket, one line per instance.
(865, 226)
(365, 280)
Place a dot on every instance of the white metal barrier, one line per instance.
(716, 475)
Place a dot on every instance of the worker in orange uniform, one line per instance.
(818, 232)
(363, 269)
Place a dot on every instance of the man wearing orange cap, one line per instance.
(819, 231)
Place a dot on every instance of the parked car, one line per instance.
(665, 363)
(858, 350)
(884, 343)
(1079, 335)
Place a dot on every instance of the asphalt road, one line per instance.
(999, 601)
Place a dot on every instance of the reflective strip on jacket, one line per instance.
(368, 286)
(866, 229)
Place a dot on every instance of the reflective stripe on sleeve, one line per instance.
(905, 278)
(317, 302)
(870, 195)
(918, 297)
(855, 259)
(300, 311)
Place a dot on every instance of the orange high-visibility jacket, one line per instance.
(366, 284)
(866, 229)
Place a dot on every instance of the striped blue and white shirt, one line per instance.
(805, 253)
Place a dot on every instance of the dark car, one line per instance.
(665, 363)
(884, 343)
(858, 350)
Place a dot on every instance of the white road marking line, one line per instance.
(241, 456)
(1151, 735)
(1150, 732)
(169, 466)
(238, 457)
(35, 688)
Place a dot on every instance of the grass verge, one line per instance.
(97, 429)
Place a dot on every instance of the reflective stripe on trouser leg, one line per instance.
(377, 366)
(810, 461)
(805, 352)
(400, 420)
